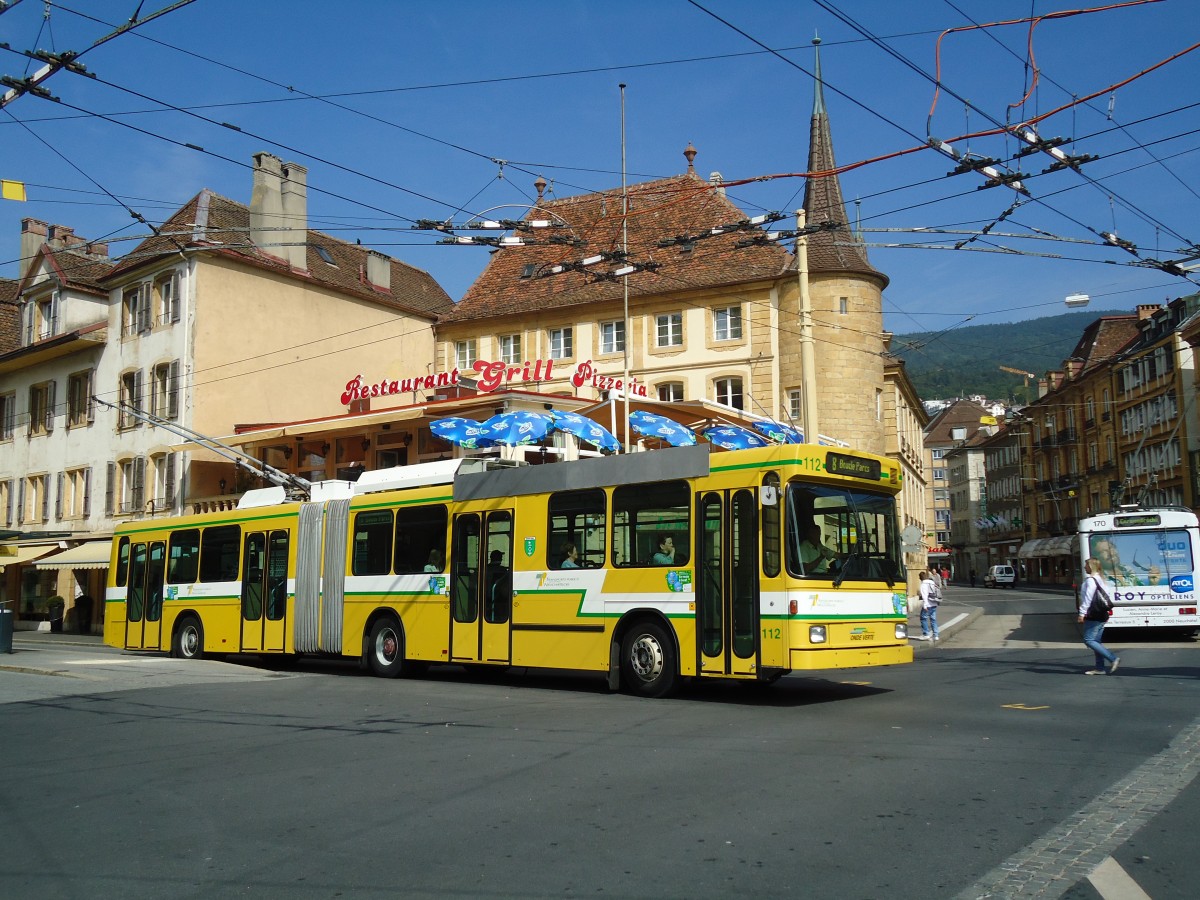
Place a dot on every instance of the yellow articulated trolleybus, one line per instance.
(647, 568)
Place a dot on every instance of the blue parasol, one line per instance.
(585, 429)
(731, 437)
(780, 433)
(653, 425)
(517, 427)
(463, 432)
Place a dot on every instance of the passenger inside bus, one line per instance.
(665, 555)
(499, 588)
(570, 556)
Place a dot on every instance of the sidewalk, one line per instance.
(61, 638)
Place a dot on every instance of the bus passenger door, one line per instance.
(264, 591)
(144, 600)
(727, 592)
(481, 587)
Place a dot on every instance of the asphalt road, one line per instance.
(990, 767)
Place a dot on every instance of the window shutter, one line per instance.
(50, 406)
(27, 316)
(139, 483)
(170, 480)
(58, 504)
(173, 391)
(87, 492)
(136, 402)
(46, 498)
(55, 307)
(8, 505)
(20, 502)
(144, 318)
(110, 488)
(10, 416)
(91, 399)
(176, 302)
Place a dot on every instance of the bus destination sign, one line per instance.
(1147, 520)
(840, 464)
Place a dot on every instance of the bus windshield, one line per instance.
(1147, 558)
(840, 533)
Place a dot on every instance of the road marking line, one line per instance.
(1021, 706)
(953, 621)
(1076, 847)
(1113, 883)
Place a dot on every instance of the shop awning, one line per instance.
(88, 555)
(1064, 545)
(19, 555)
(1032, 549)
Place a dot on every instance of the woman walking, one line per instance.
(1095, 606)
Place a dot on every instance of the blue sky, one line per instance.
(424, 99)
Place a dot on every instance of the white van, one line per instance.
(1000, 576)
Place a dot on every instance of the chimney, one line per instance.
(715, 178)
(1146, 310)
(268, 228)
(379, 270)
(295, 215)
(33, 235)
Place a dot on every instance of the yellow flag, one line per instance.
(12, 190)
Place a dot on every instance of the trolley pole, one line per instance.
(808, 362)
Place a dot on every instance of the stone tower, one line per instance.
(847, 303)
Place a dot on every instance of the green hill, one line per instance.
(967, 360)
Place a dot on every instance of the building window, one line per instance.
(163, 469)
(80, 409)
(939, 474)
(729, 392)
(8, 415)
(844, 306)
(612, 337)
(510, 349)
(166, 300)
(47, 316)
(464, 354)
(669, 330)
(131, 399)
(561, 345)
(164, 390)
(74, 489)
(41, 408)
(36, 502)
(135, 311)
(671, 391)
(794, 404)
(126, 486)
(727, 323)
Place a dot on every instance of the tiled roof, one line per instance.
(960, 413)
(1103, 339)
(75, 269)
(225, 226)
(10, 317)
(665, 208)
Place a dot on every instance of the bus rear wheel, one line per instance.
(385, 649)
(188, 642)
(648, 666)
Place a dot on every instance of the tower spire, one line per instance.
(829, 251)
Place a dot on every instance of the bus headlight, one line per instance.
(816, 634)
(901, 631)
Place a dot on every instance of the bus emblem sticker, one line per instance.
(530, 545)
(1181, 584)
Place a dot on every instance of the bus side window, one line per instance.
(219, 550)
(183, 559)
(123, 562)
(420, 539)
(372, 543)
(577, 519)
(650, 524)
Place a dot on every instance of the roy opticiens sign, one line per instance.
(490, 376)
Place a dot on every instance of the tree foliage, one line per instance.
(966, 361)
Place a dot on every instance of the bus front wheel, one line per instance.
(188, 642)
(648, 663)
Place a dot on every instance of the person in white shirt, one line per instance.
(930, 598)
(1093, 615)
